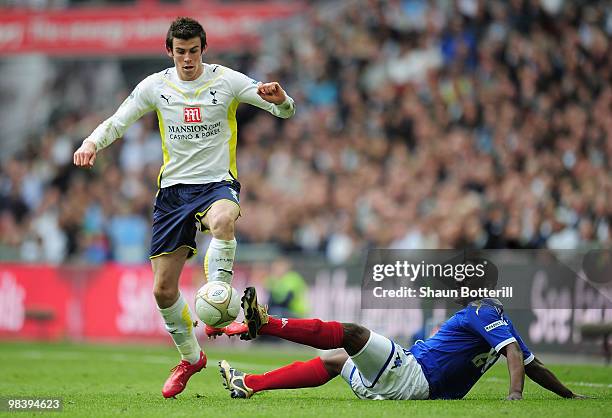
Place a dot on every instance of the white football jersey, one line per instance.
(197, 121)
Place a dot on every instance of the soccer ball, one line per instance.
(217, 304)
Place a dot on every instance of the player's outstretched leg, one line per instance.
(177, 318)
(370, 353)
(319, 334)
(312, 373)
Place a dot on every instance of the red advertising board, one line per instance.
(118, 303)
(34, 302)
(110, 302)
(132, 30)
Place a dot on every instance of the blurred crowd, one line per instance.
(448, 124)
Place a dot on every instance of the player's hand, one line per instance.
(272, 92)
(578, 396)
(85, 156)
(515, 396)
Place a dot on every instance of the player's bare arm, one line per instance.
(516, 370)
(537, 372)
(272, 92)
(85, 156)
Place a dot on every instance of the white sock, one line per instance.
(180, 326)
(219, 260)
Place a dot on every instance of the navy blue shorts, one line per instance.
(180, 209)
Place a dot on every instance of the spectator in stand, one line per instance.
(288, 292)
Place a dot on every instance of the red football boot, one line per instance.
(235, 328)
(212, 332)
(181, 373)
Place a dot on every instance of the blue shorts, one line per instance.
(180, 209)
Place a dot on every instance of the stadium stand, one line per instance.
(420, 125)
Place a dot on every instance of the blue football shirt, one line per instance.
(465, 347)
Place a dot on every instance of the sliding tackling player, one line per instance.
(445, 366)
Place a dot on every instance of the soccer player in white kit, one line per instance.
(196, 108)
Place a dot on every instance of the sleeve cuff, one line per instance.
(93, 142)
(504, 343)
(528, 359)
(286, 104)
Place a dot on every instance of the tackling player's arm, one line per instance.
(545, 378)
(488, 321)
(535, 370)
(516, 370)
(137, 104)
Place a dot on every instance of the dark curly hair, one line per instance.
(185, 28)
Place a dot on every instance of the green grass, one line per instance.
(109, 381)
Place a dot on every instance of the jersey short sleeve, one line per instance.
(527, 354)
(489, 322)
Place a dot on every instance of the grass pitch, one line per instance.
(110, 381)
